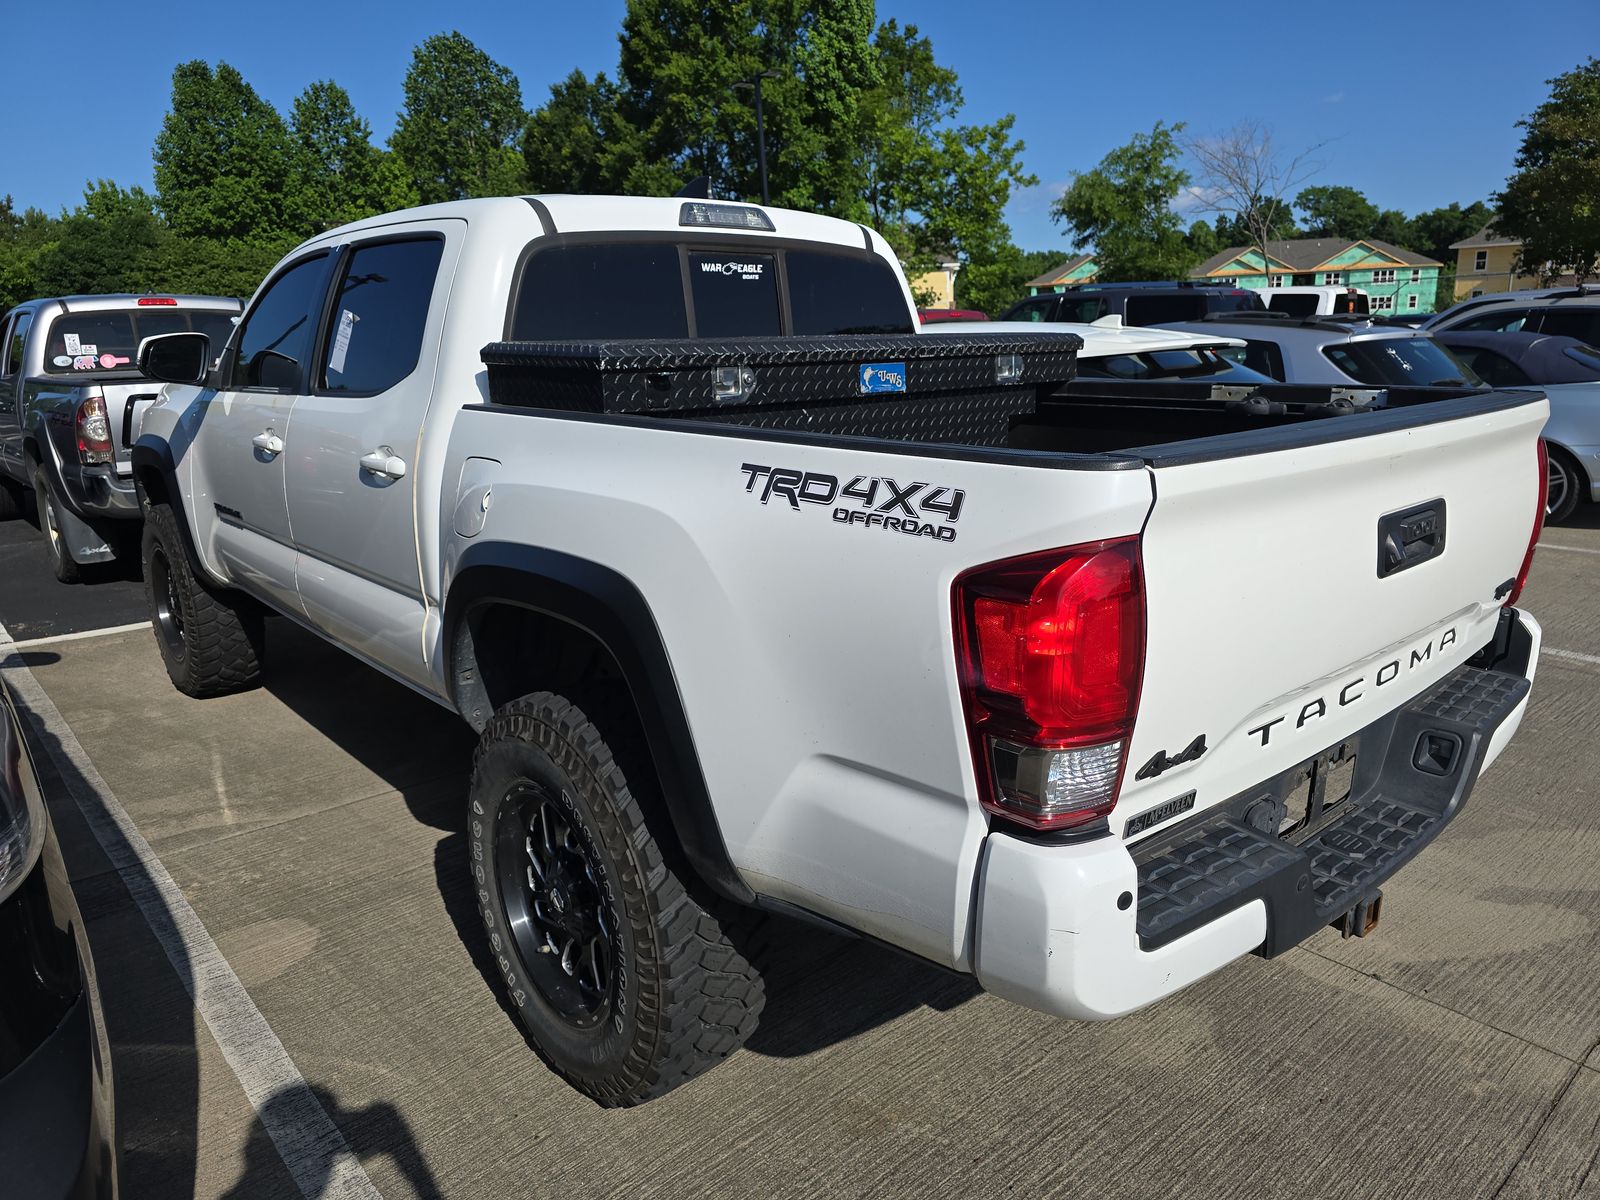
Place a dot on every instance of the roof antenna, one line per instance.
(698, 188)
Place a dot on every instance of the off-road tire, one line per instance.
(61, 562)
(210, 640)
(12, 501)
(1574, 486)
(686, 992)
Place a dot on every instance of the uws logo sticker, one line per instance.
(870, 501)
(882, 377)
(744, 270)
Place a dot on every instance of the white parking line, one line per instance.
(30, 643)
(1568, 549)
(310, 1144)
(1573, 655)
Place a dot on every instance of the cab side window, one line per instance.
(17, 339)
(276, 338)
(380, 311)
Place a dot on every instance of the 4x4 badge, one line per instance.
(1160, 762)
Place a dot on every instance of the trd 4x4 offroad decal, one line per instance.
(917, 509)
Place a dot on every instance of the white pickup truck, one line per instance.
(764, 601)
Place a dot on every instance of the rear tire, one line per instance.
(1567, 486)
(61, 562)
(626, 983)
(12, 501)
(210, 640)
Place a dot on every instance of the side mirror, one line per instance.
(175, 357)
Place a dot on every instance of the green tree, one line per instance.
(22, 237)
(1394, 227)
(1124, 208)
(224, 160)
(1336, 212)
(109, 243)
(343, 176)
(463, 113)
(568, 145)
(1432, 232)
(1552, 202)
(992, 287)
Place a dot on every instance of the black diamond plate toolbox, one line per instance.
(915, 387)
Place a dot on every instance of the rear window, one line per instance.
(837, 293)
(638, 290)
(1577, 321)
(1159, 310)
(629, 290)
(1294, 305)
(1401, 362)
(109, 341)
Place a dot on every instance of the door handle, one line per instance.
(384, 463)
(268, 443)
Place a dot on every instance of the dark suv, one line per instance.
(1135, 303)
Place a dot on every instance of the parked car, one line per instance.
(1114, 351)
(1340, 351)
(1568, 372)
(1135, 303)
(948, 316)
(1474, 304)
(70, 401)
(762, 601)
(1319, 301)
(1564, 312)
(57, 1119)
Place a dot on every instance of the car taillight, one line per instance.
(1521, 580)
(1051, 655)
(94, 431)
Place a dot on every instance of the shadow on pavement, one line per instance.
(822, 988)
(375, 1131)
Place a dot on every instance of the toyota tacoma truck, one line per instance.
(762, 601)
(71, 397)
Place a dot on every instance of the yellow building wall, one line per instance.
(1496, 275)
(936, 289)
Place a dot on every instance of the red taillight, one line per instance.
(1521, 580)
(1052, 655)
(94, 431)
(155, 301)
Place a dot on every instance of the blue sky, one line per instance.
(1416, 102)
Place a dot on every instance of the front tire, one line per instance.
(1566, 486)
(211, 641)
(50, 523)
(626, 983)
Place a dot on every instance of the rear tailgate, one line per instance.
(126, 402)
(1271, 634)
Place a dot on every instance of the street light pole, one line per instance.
(761, 128)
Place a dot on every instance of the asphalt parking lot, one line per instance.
(314, 830)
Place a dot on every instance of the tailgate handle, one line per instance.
(1409, 537)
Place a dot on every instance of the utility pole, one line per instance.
(761, 128)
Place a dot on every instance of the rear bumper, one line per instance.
(97, 494)
(1098, 929)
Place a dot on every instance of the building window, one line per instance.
(1476, 292)
(1411, 301)
(1333, 277)
(1381, 303)
(1275, 281)
(1480, 261)
(1383, 275)
(1416, 274)
(1228, 281)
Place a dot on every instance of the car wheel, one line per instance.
(626, 983)
(211, 641)
(61, 562)
(1566, 486)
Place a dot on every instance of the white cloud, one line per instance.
(1333, 98)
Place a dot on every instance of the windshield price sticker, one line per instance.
(880, 378)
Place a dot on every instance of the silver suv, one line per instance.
(1572, 312)
(1338, 351)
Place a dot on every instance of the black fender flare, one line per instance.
(152, 455)
(606, 605)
